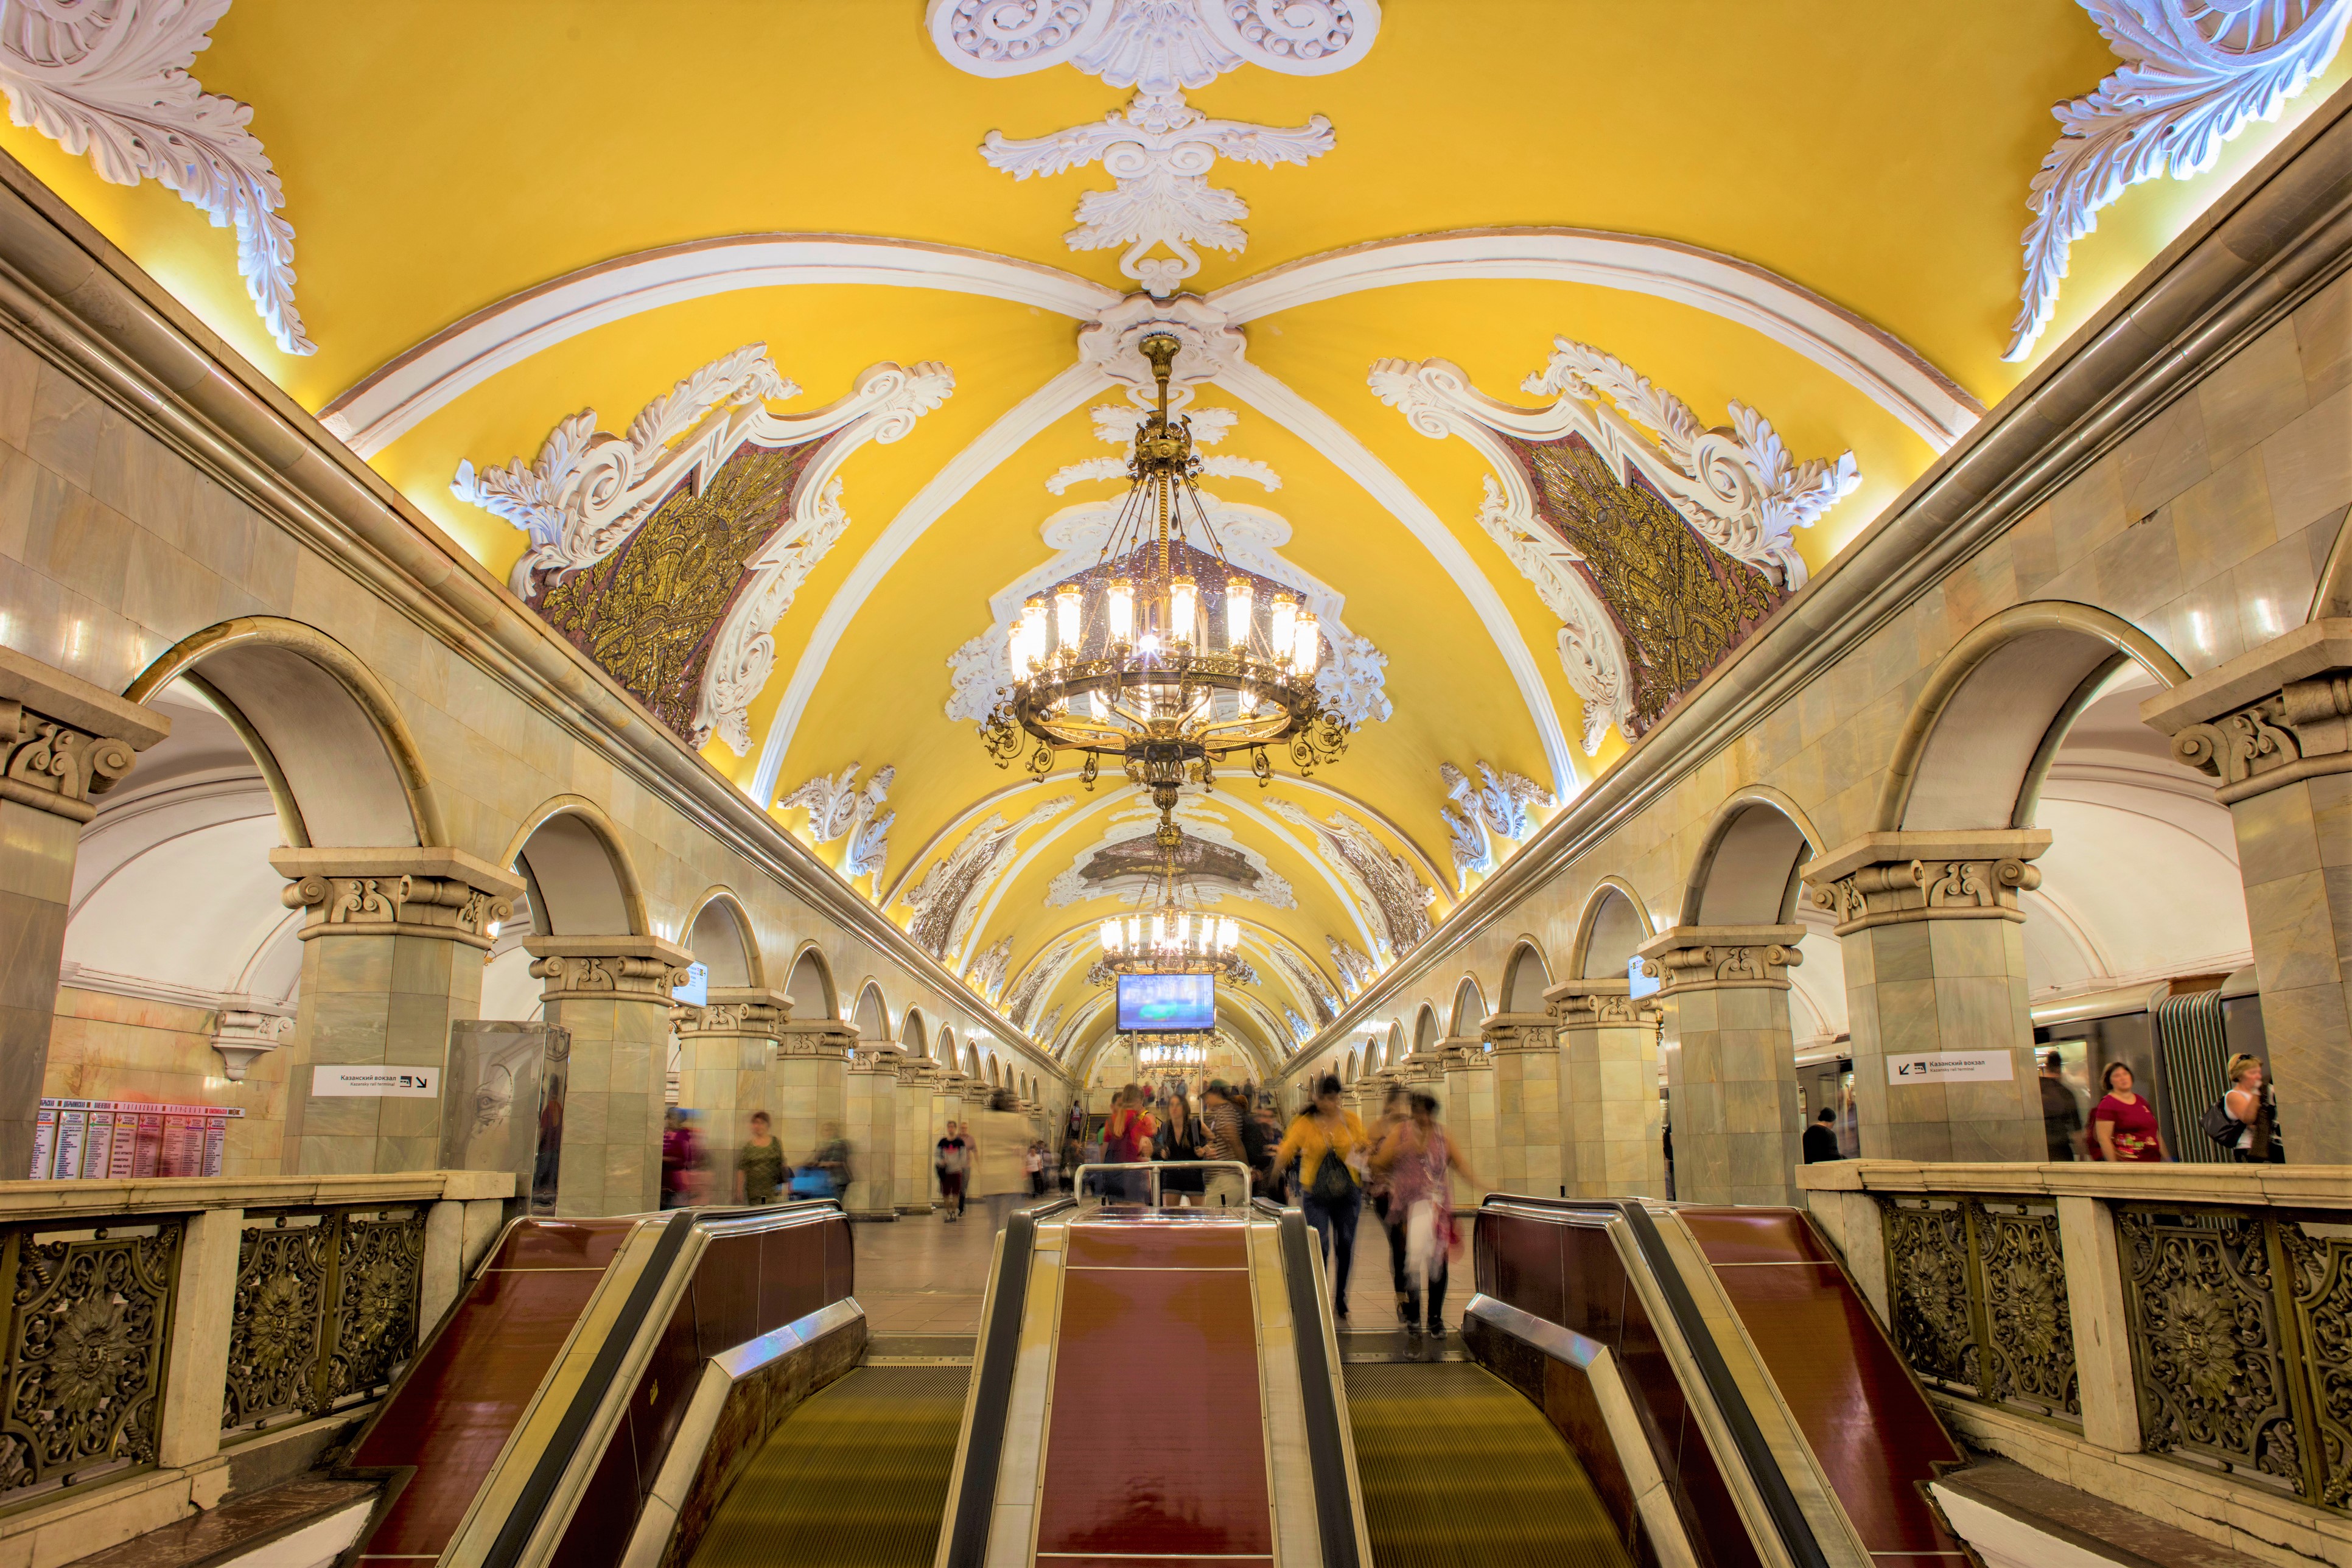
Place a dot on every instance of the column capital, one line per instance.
(745, 1010)
(1421, 1066)
(608, 968)
(877, 1056)
(63, 740)
(1505, 1032)
(1892, 878)
(1459, 1055)
(917, 1070)
(816, 1037)
(1594, 1004)
(2267, 718)
(398, 891)
(1722, 958)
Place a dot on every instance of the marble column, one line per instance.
(393, 941)
(809, 1084)
(1527, 1137)
(1934, 944)
(1468, 1087)
(911, 1154)
(1608, 1089)
(63, 742)
(614, 993)
(727, 1049)
(870, 1123)
(1730, 1059)
(2272, 728)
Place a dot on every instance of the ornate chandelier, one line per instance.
(1169, 937)
(1160, 657)
(1186, 1053)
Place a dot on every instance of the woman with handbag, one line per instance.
(1332, 1154)
(1421, 1163)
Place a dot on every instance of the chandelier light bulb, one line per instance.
(1122, 609)
(1029, 637)
(1229, 933)
(1067, 619)
(1110, 936)
(1237, 613)
(1183, 606)
(1158, 932)
(1307, 649)
(1183, 929)
(1286, 623)
(1131, 932)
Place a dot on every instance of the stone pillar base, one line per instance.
(1608, 1103)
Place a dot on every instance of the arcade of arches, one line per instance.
(1775, 681)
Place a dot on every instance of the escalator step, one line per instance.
(856, 1477)
(1460, 1471)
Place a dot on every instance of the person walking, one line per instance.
(1395, 1110)
(1127, 1140)
(833, 1159)
(1033, 1165)
(950, 1160)
(1419, 1161)
(1820, 1138)
(759, 1165)
(1179, 1140)
(998, 1137)
(1328, 1142)
(2123, 1124)
(2062, 1115)
(2249, 1102)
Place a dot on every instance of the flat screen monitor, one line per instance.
(1167, 1002)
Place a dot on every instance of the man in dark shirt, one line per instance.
(1820, 1138)
(2062, 1114)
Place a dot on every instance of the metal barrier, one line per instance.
(1078, 1186)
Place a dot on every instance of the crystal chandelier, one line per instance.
(1179, 1054)
(1169, 937)
(1160, 657)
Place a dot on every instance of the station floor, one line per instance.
(919, 1275)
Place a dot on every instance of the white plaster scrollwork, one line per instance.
(1355, 968)
(986, 974)
(2195, 73)
(1352, 680)
(1738, 487)
(242, 1037)
(1071, 885)
(1159, 149)
(1045, 972)
(943, 906)
(1495, 805)
(1385, 887)
(109, 77)
(589, 490)
(839, 807)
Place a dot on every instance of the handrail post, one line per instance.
(2094, 1306)
(195, 1376)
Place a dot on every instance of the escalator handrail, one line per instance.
(1327, 1456)
(992, 1367)
(1789, 1521)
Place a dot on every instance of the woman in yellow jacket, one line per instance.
(1332, 1150)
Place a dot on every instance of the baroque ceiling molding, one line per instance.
(2195, 74)
(1384, 884)
(1043, 973)
(1737, 487)
(1159, 149)
(839, 807)
(944, 907)
(111, 79)
(1355, 967)
(1495, 806)
(1201, 823)
(1114, 425)
(1309, 983)
(1352, 681)
(589, 491)
(986, 973)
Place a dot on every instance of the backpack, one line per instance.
(2219, 1125)
(1253, 1141)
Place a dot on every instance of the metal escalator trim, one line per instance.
(507, 1548)
(993, 1362)
(1755, 1457)
(1335, 1514)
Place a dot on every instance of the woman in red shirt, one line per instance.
(2123, 1125)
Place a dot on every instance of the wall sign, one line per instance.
(1951, 1067)
(128, 1139)
(374, 1083)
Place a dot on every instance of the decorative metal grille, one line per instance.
(325, 1311)
(90, 1318)
(1976, 1291)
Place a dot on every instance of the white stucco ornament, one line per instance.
(109, 77)
(2195, 73)
(1159, 150)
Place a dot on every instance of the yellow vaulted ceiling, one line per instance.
(440, 158)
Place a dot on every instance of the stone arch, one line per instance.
(1469, 1009)
(811, 985)
(577, 877)
(719, 936)
(970, 1059)
(994, 1081)
(1746, 873)
(945, 1051)
(914, 1036)
(1614, 925)
(1426, 1030)
(1527, 973)
(1397, 1045)
(1354, 1067)
(343, 768)
(872, 1015)
(1986, 724)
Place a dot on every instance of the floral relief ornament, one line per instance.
(2195, 73)
(109, 77)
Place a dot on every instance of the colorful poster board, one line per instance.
(127, 1139)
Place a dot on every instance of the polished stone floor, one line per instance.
(919, 1275)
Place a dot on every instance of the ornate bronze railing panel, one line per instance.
(89, 1319)
(1977, 1299)
(325, 1311)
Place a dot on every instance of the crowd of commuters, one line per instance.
(763, 1174)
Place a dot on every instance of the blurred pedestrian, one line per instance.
(1179, 1142)
(1395, 1110)
(833, 1159)
(1329, 1141)
(1421, 1161)
(951, 1159)
(998, 1138)
(759, 1165)
(2062, 1114)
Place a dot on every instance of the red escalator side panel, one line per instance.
(1138, 1462)
(1876, 1433)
